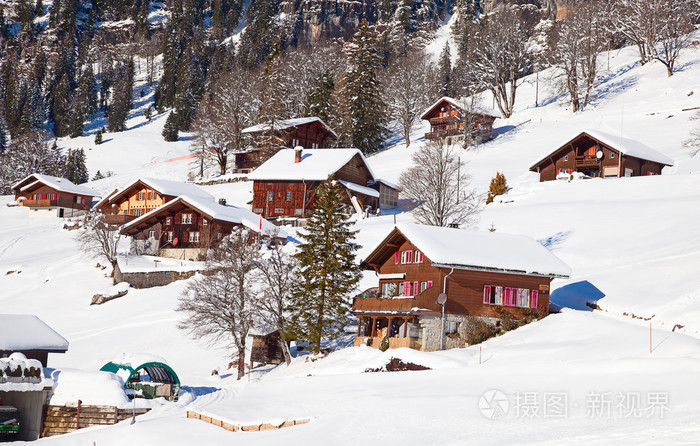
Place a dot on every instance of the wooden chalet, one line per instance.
(285, 185)
(483, 274)
(29, 335)
(48, 196)
(448, 117)
(309, 133)
(598, 154)
(143, 196)
(186, 227)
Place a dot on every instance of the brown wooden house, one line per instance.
(48, 196)
(308, 133)
(448, 117)
(143, 196)
(482, 274)
(27, 334)
(285, 185)
(598, 154)
(186, 227)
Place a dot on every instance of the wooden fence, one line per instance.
(64, 419)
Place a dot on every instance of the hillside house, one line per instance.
(599, 154)
(186, 227)
(285, 185)
(309, 133)
(29, 335)
(144, 195)
(48, 196)
(484, 274)
(448, 116)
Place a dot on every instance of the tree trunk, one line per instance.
(407, 136)
(241, 365)
(285, 349)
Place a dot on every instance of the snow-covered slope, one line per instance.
(631, 243)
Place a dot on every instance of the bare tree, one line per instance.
(277, 271)
(219, 304)
(99, 239)
(693, 143)
(410, 88)
(497, 57)
(439, 183)
(579, 41)
(223, 115)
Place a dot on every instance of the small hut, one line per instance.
(268, 348)
(149, 376)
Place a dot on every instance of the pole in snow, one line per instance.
(649, 337)
(479, 354)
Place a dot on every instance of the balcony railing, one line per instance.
(443, 133)
(118, 219)
(586, 161)
(38, 203)
(393, 342)
(444, 119)
(425, 300)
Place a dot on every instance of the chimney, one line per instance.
(222, 201)
(297, 154)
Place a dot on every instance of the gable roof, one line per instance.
(623, 144)
(460, 103)
(166, 187)
(28, 332)
(315, 165)
(57, 183)
(287, 124)
(484, 251)
(214, 211)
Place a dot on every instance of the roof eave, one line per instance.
(500, 270)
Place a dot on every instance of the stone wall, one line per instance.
(144, 247)
(151, 278)
(430, 332)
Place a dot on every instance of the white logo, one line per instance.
(494, 404)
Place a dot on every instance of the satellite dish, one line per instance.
(175, 241)
(442, 298)
(599, 154)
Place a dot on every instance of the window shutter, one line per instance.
(409, 256)
(430, 283)
(396, 257)
(407, 288)
(416, 290)
(487, 294)
(533, 299)
(507, 295)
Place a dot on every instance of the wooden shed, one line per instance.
(267, 348)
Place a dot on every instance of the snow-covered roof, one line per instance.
(167, 187)
(216, 211)
(28, 332)
(462, 103)
(490, 251)
(387, 183)
(620, 143)
(57, 183)
(360, 189)
(286, 124)
(315, 165)
(91, 387)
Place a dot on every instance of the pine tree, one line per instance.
(498, 187)
(363, 91)
(445, 71)
(319, 300)
(62, 107)
(39, 8)
(166, 88)
(170, 131)
(98, 137)
(75, 169)
(87, 92)
(119, 110)
(4, 143)
(141, 20)
(318, 101)
(76, 125)
(272, 107)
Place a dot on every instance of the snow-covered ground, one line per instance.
(632, 244)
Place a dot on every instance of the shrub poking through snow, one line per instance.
(498, 187)
(397, 365)
(384, 345)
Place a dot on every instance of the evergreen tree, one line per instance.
(498, 187)
(170, 130)
(165, 95)
(75, 169)
(4, 143)
(318, 101)
(119, 110)
(76, 125)
(106, 81)
(319, 300)
(445, 71)
(87, 92)
(98, 137)
(363, 91)
(62, 107)
(141, 19)
(39, 8)
(273, 93)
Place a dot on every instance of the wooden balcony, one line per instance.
(118, 219)
(581, 161)
(38, 203)
(393, 342)
(444, 119)
(383, 305)
(439, 134)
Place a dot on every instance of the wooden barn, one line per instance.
(483, 274)
(598, 154)
(186, 227)
(448, 116)
(144, 195)
(285, 185)
(48, 196)
(309, 133)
